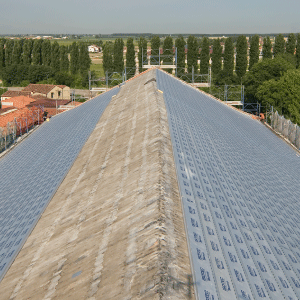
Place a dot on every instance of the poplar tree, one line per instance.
(9, 46)
(192, 54)
(279, 47)
(254, 51)
(168, 52)
(46, 53)
(2, 55)
(108, 57)
(37, 52)
(298, 51)
(27, 50)
(74, 58)
(17, 53)
(84, 59)
(291, 44)
(118, 58)
(180, 45)
(155, 44)
(130, 58)
(228, 58)
(216, 58)
(204, 56)
(63, 59)
(142, 52)
(241, 56)
(267, 48)
(55, 64)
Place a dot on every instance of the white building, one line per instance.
(94, 49)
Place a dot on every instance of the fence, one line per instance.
(22, 123)
(286, 128)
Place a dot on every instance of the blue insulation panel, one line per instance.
(240, 189)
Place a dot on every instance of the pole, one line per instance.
(193, 74)
(89, 80)
(159, 56)
(176, 61)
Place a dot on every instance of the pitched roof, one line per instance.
(48, 102)
(20, 101)
(15, 93)
(41, 88)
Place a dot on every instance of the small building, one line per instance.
(49, 91)
(10, 94)
(17, 102)
(94, 49)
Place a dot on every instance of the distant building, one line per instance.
(49, 91)
(17, 102)
(94, 49)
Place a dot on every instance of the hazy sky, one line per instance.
(151, 16)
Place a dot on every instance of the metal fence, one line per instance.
(286, 128)
(23, 123)
(8, 135)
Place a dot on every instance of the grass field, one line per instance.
(98, 68)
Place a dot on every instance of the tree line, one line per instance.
(32, 61)
(273, 80)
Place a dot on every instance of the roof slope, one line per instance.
(35, 168)
(240, 189)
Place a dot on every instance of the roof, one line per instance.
(11, 115)
(20, 101)
(15, 93)
(46, 102)
(113, 189)
(41, 88)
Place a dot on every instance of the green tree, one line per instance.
(47, 53)
(279, 46)
(180, 45)
(2, 55)
(283, 95)
(55, 63)
(74, 58)
(63, 59)
(118, 58)
(27, 51)
(192, 54)
(130, 58)
(37, 52)
(264, 70)
(298, 51)
(228, 59)
(142, 55)
(155, 45)
(241, 56)
(216, 58)
(254, 51)
(9, 46)
(17, 52)
(267, 48)
(108, 57)
(168, 52)
(291, 44)
(84, 58)
(204, 56)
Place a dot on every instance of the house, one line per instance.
(94, 49)
(17, 102)
(10, 94)
(49, 91)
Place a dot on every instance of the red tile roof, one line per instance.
(15, 93)
(18, 102)
(41, 88)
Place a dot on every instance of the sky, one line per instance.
(152, 16)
